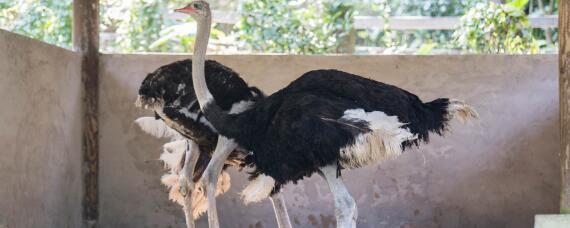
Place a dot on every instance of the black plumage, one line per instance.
(301, 128)
(370, 95)
(169, 89)
(316, 126)
(292, 133)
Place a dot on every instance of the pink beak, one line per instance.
(186, 10)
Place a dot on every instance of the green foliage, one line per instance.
(495, 28)
(433, 8)
(519, 4)
(397, 41)
(292, 26)
(181, 37)
(142, 26)
(134, 24)
(299, 27)
(49, 21)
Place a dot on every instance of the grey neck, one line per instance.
(199, 60)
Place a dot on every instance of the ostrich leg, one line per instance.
(280, 211)
(185, 179)
(210, 177)
(345, 207)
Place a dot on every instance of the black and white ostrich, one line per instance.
(168, 91)
(338, 121)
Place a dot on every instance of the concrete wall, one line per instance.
(40, 134)
(498, 173)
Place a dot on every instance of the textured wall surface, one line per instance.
(497, 173)
(40, 134)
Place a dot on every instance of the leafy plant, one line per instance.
(284, 26)
(300, 27)
(49, 21)
(519, 4)
(134, 24)
(143, 26)
(181, 37)
(496, 28)
(398, 41)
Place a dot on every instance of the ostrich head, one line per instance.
(197, 9)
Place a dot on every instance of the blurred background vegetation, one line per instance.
(296, 26)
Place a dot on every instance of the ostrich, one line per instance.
(169, 93)
(342, 122)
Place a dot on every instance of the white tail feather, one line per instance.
(172, 154)
(382, 143)
(461, 111)
(156, 128)
(258, 189)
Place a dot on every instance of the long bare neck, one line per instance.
(199, 60)
(218, 117)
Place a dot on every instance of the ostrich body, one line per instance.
(168, 91)
(341, 121)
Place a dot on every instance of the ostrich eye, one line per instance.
(198, 6)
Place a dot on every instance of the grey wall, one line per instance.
(40, 134)
(498, 173)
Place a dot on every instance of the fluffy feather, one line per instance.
(172, 155)
(199, 200)
(156, 128)
(301, 127)
(461, 111)
(258, 189)
(241, 106)
(383, 142)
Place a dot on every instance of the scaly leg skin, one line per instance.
(280, 209)
(188, 211)
(184, 180)
(210, 178)
(345, 206)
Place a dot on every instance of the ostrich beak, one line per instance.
(186, 10)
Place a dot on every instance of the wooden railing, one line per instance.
(435, 23)
(397, 22)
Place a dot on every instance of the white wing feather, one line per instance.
(156, 128)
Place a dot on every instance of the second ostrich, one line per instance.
(338, 121)
(169, 93)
